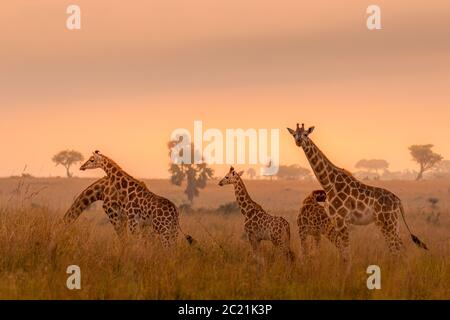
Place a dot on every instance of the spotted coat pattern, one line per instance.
(258, 224)
(314, 221)
(127, 202)
(350, 201)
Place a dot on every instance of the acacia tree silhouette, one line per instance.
(67, 158)
(196, 175)
(372, 165)
(425, 157)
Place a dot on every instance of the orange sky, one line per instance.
(136, 71)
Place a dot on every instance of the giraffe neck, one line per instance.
(243, 198)
(324, 170)
(110, 167)
(90, 195)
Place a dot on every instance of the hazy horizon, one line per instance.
(135, 72)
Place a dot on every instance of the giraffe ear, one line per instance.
(310, 130)
(291, 131)
(240, 173)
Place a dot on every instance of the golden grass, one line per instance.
(35, 250)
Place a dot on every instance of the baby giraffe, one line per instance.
(259, 225)
(314, 221)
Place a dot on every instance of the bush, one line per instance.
(228, 208)
(185, 208)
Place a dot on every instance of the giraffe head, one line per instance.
(231, 177)
(300, 134)
(94, 162)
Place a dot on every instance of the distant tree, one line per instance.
(442, 167)
(196, 175)
(372, 165)
(251, 173)
(293, 172)
(425, 157)
(67, 158)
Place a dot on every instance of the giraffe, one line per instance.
(259, 225)
(96, 192)
(348, 200)
(126, 199)
(313, 220)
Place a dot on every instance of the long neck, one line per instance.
(90, 195)
(242, 197)
(110, 167)
(324, 170)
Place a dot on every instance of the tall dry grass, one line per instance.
(36, 249)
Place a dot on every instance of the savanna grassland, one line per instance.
(36, 249)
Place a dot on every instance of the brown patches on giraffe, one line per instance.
(258, 224)
(314, 221)
(90, 195)
(351, 201)
(128, 202)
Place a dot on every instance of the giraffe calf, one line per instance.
(314, 221)
(258, 224)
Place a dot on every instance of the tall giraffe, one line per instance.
(126, 198)
(259, 225)
(351, 201)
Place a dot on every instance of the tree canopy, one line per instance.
(67, 158)
(196, 175)
(372, 164)
(293, 172)
(425, 157)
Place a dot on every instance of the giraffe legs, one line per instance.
(388, 223)
(133, 220)
(303, 233)
(166, 229)
(317, 240)
(255, 244)
(116, 218)
(283, 246)
(337, 231)
(342, 240)
(168, 238)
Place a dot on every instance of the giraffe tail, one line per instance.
(191, 241)
(291, 256)
(188, 237)
(414, 238)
